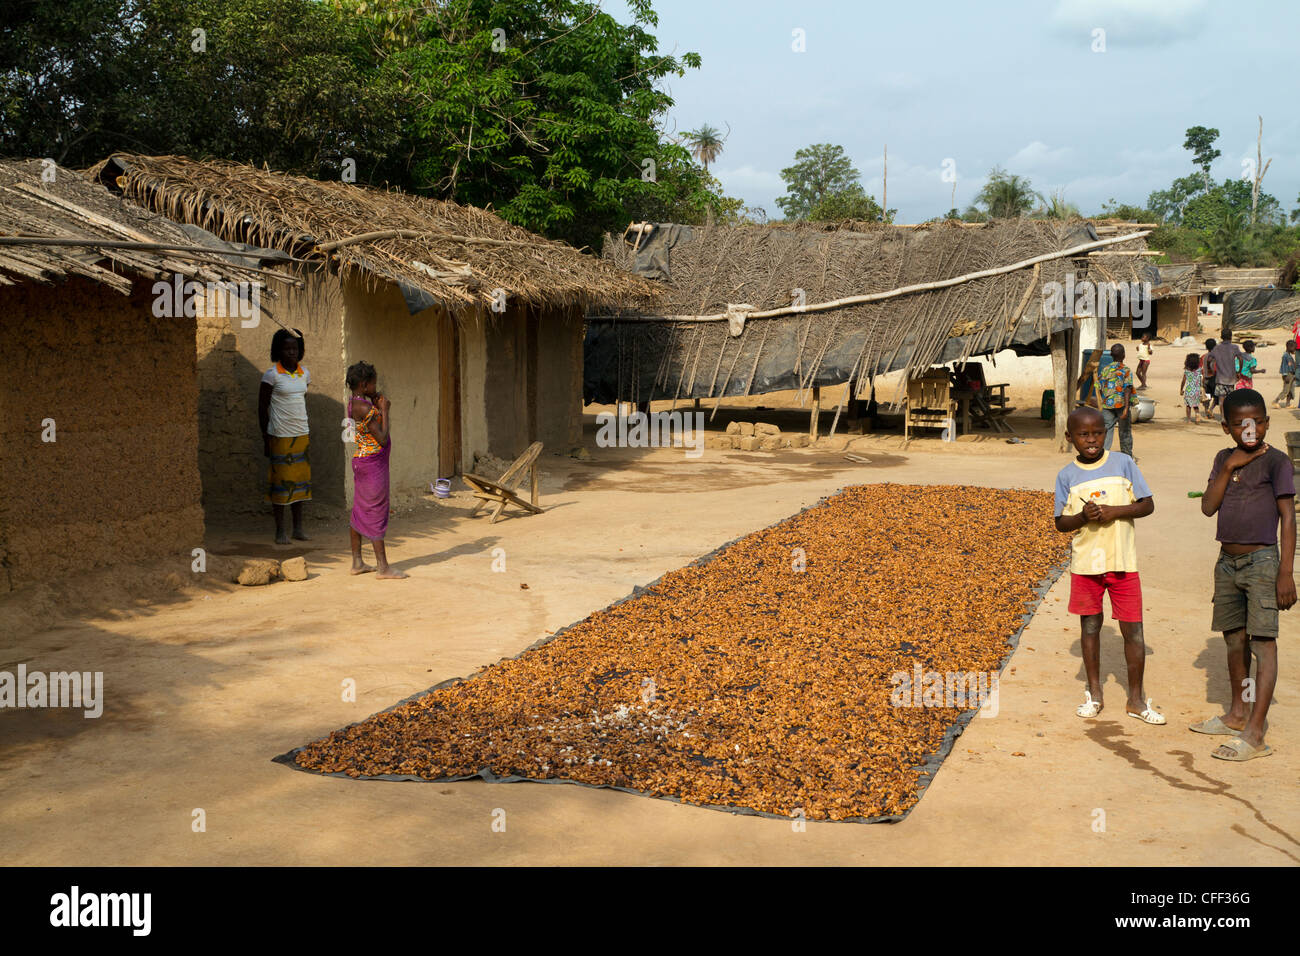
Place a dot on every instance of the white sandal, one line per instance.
(1149, 715)
(1090, 707)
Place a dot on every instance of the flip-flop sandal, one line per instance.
(1214, 725)
(1149, 715)
(1242, 750)
(1090, 707)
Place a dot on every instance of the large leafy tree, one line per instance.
(282, 82)
(1234, 195)
(1006, 196)
(850, 203)
(822, 180)
(64, 76)
(1200, 140)
(548, 110)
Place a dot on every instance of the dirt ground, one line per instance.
(203, 688)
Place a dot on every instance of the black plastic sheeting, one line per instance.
(1243, 309)
(611, 344)
(930, 766)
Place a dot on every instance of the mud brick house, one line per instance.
(99, 424)
(474, 325)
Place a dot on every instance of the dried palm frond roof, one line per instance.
(761, 265)
(457, 255)
(676, 347)
(42, 201)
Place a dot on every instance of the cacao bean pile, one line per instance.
(765, 678)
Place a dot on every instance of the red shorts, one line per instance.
(1125, 594)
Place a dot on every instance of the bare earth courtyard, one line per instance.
(201, 691)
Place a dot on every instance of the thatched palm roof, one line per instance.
(456, 255)
(42, 201)
(662, 351)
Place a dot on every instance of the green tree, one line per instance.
(1169, 204)
(1228, 242)
(1206, 212)
(1055, 206)
(705, 144)
(282, 82)
(850, 203)
(1125, 211)
(1006, 196)
(547, 109)
(819, 172)
(1200, 140)
(687, 194)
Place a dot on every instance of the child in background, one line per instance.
(1207, 375)
(1246, 367)
(1288, 370)
(1098, 495)
(1191, 388)
(1252, 489)
(1144, 360)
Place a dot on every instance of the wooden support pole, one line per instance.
(1060, 343)
(816, 411)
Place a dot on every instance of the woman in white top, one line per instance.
(1144, 359)
(282, 414)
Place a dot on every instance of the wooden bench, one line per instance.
(502, 491)
(930, 403)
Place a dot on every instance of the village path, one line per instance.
(203, 690)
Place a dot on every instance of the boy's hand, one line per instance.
(1240, 457)
(1285, 590)
(1092, 511)
(1106, 513)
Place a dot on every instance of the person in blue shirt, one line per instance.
(1287, 395)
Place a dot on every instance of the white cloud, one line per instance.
(1036, 156)
(749, 183)
(1131, 22)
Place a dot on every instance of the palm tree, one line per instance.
(705, 143)
(1055, 207)
(1006, 196)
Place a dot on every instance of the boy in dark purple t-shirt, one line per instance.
(1252, 488)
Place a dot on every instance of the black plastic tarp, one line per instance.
(1245, 309)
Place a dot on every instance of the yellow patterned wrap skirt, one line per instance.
(289, 477)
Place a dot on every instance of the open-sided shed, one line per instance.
(753, 309)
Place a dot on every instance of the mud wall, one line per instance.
(533, 380)
(505, 383)
(120, 480)
(404, 350)
(231, 362)
(473, 386)
(559, 383)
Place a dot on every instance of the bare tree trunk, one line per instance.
(1259, 171)
(884, 194)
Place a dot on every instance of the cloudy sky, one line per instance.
(1029, 85)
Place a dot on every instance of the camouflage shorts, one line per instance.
(1245, 592)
